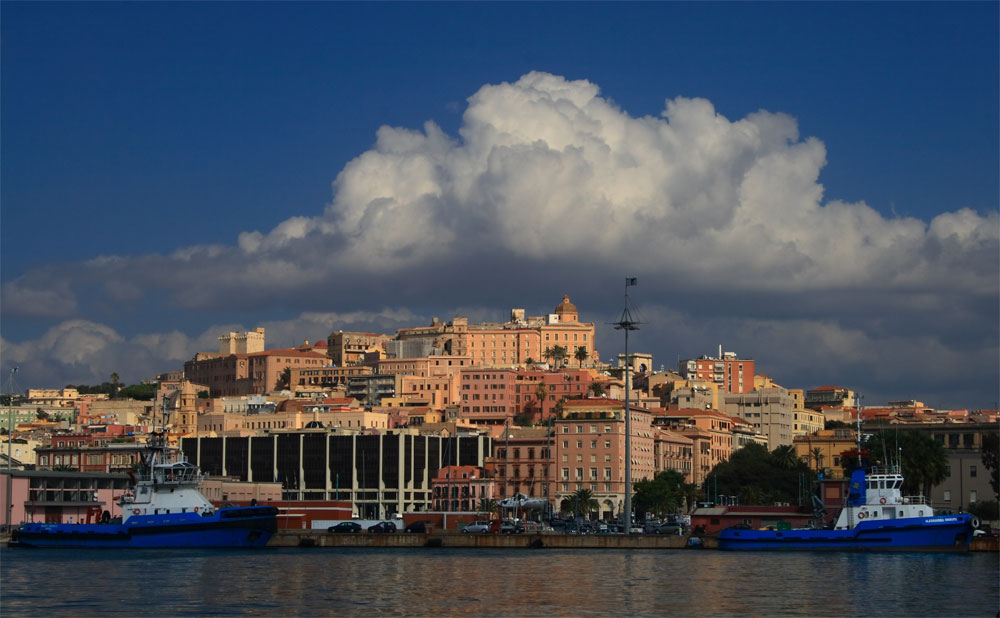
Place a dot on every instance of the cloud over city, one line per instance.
(551, 188)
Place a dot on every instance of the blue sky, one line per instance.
(198, 144)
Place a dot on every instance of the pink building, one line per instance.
(61, 497)
(521, 462)
(460, 488)
(492, 396)
(234, 375)
(590, 451)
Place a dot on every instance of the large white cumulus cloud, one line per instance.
(549, 183)
(546, 167)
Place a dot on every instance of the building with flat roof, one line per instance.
(382, 473)
(729, 372)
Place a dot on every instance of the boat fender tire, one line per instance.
(974, 521)
(136, 511)
(882, 500)
(862, 515)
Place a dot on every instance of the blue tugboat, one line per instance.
(164, 509)
(877, 517)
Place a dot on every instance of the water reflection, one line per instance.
(451, 582)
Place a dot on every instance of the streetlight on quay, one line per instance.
(10, 442)
(627, 323)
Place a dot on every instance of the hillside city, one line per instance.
(450, 416)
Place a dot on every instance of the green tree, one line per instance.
(114, 385)
(922, 459)
(991, 456)
(785, 456)
(665, 494)
(816, 456)
(523, 419)
(756, 476)
(560, 408)
(548, 353)
(581, 354)
(559, 352)
(582, 502)
(541, 392)
(139, 392)
(596, 388)
(986, 510)
(488, 506)
(285, 378)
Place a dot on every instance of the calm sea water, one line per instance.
(459, 582)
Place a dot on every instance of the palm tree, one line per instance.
(114, 385)
(560, 408)
(581, 354)
(559, 352)
(541, 392)
(581, 502)
(596, 388)
(548, 353)
(785, 456)
(817, 455)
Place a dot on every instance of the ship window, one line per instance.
(874, 513)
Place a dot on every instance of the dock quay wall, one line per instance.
(447, 538)
(322, 538)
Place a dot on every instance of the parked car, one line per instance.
(418, 526)
(668, 528)
(383, 527)
(511, 527)
(345, 526)
(571, 528)
(479, 527)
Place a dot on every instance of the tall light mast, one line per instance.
(627, 323)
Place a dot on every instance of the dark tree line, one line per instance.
(756, 476)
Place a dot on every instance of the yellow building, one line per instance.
(822, 449)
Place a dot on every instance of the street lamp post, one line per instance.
(10, 442)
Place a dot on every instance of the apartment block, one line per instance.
(769, 410)
(590, 451)
(729, 372)
(492, 396)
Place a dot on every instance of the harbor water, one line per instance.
(460, 582)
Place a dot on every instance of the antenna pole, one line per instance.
(627, 323)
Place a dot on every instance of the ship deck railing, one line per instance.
(884, 470)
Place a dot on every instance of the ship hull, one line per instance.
(939, 533)
(228, 527)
